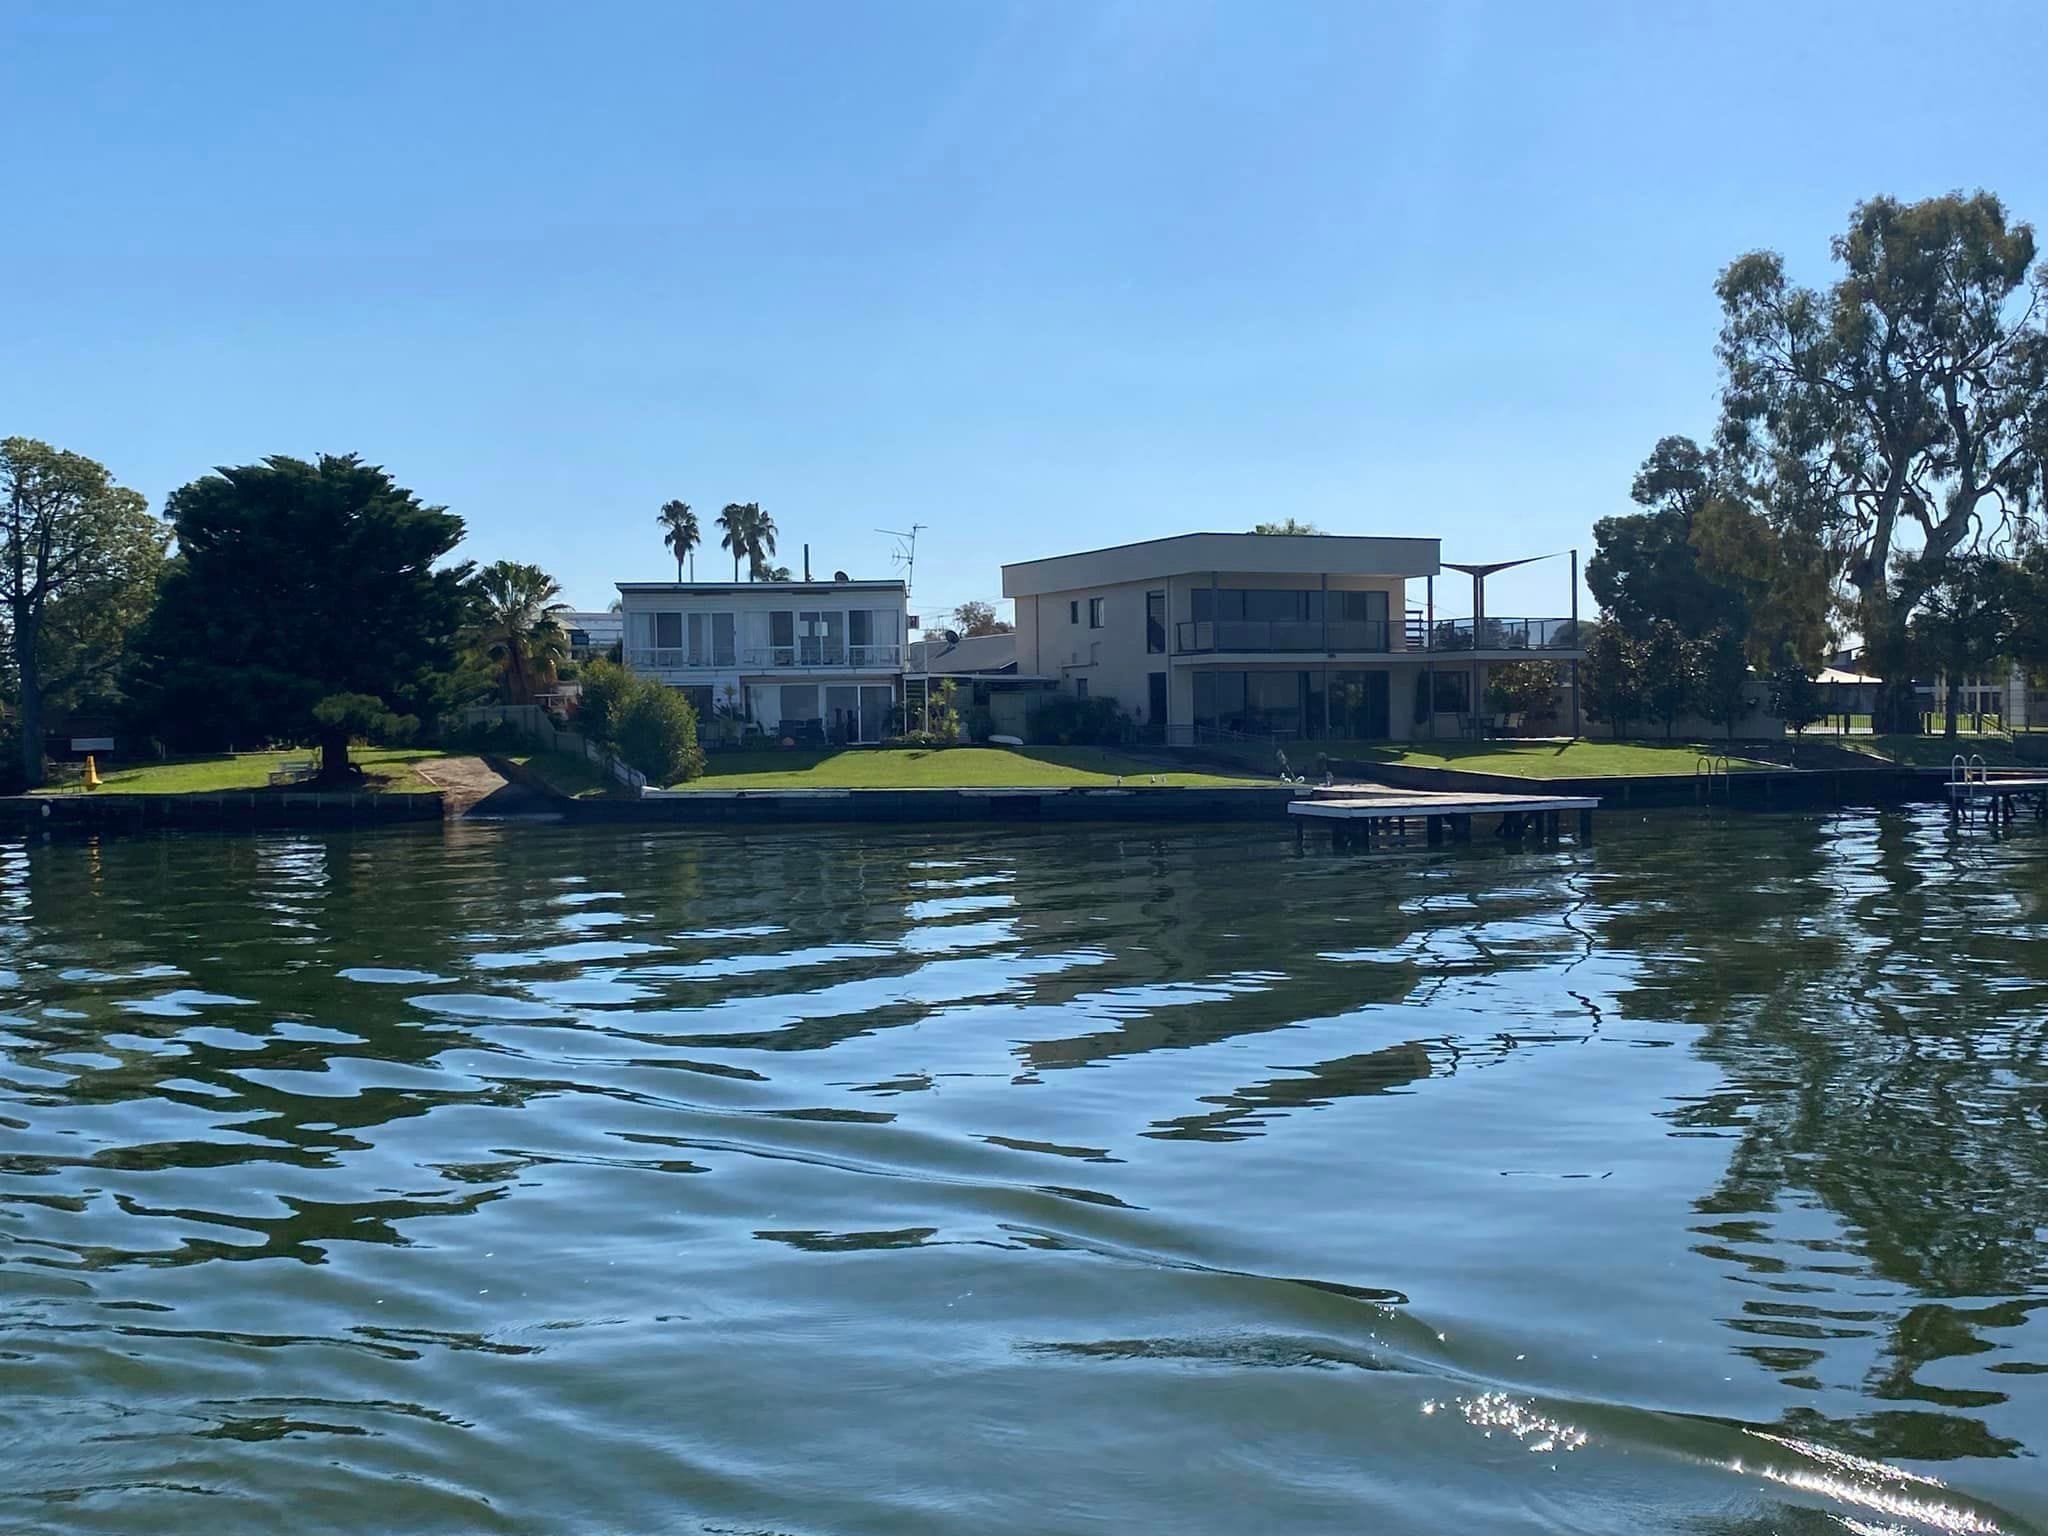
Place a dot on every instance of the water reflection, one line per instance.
(786, 1176)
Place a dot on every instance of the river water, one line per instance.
(527, 1178)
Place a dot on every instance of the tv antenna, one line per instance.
(904, 556)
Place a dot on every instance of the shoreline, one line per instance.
(231, 810)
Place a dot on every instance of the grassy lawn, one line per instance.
(566, 773)
(388, 770)
(947, 768)
(1555, 759)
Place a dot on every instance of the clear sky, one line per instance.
(1039, 276)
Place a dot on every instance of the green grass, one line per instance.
(1554, 759)
(388, 770)
(567, 773)
(947, 768)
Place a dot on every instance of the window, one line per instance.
(724, 649)
(1074, 611)
(782, 638)
(1080, 687)
(1155, 623)
(1095, 613)
(798, 704)
(668, 631)
(1453, 693)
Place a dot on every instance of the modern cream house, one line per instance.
(1218, 635)
(807, 660)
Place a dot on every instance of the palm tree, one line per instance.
(760, 541)
(737, 520)
(517, 628)
(682, 536)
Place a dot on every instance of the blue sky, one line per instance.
(1038, 276)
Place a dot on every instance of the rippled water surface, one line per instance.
(517, 1178)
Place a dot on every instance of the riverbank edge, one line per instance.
(230, 810)
(225, 809)
(1758, 789)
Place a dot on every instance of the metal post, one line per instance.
(1577, 644)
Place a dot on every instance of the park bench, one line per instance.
(292, 770)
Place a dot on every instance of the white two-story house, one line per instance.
(1221, 635)
(806, 660)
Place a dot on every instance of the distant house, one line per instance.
(592, 635)
(807, 660)
(985, 676)
(1221, 635)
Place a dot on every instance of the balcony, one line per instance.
(1280, 637)
(818, 652)
(1493, 634)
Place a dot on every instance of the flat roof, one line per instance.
(1187, 554)
(761, 586)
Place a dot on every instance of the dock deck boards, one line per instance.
(1373, 803)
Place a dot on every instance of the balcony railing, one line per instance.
(1280, 636)
(1492, 634)
(812, 652)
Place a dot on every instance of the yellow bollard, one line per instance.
(92, 773)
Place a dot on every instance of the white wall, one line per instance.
(1053, 642)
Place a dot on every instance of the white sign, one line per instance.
(92, 743)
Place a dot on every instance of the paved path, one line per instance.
(463, 781)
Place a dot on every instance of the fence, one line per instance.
(534, 722)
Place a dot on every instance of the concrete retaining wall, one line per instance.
(1757, 790)
(228, 809)
(712, 807)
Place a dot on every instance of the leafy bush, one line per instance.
(978, 724)
(1795, 697)
(657, 733)
(1066, 721)
(363, 717)
(602, 704)
(1526, 688)
(924, 739)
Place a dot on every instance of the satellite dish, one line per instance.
(952, 636)
(841, 576)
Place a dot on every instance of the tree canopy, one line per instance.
(1286, 525)
(517, 630)
(1902, 411)
(79, 561)
(680, 532)
(296, 581)
(1646, 566)
(976, 617)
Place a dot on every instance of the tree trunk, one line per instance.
(335, 771)
(29, 673)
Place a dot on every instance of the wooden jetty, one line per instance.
(1973, 789)
(1370, 815)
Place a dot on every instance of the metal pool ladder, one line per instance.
(1705, 770)
(1963, 773)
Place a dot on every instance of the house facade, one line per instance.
(1220, 635)
(806, 660)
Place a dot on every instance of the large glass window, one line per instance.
(782, 638)
(1095, 613)
(799, 703)
(1453, 693)
(1155, 623)
(668, 631)
(1359, 705)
